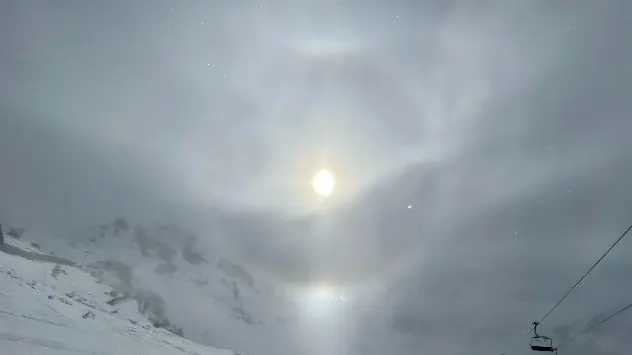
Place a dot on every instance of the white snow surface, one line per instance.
(214, 300)
(68, 314)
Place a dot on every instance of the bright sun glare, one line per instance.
(323, 183)
(322, 295)
(321, 302)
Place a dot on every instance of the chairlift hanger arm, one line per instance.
(535, 329)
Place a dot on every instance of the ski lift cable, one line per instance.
(596, 325)
(582, 278)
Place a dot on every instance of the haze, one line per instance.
(481, 151)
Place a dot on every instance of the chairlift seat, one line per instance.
(541, 343)
(541, 348)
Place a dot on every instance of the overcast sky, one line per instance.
(505, 125)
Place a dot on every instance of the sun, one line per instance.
(323, 183)
(321, 295)
(321, 301)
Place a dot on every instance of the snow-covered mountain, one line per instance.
(46, 308)
(183, 281)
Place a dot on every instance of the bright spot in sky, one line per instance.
(322, 302)
(322, 294)
(323, 183)
(410, 206)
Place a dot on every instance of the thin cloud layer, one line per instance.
(503, 125)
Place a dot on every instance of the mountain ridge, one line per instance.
(179, 278)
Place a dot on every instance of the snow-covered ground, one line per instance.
(48, 309)
(214, 300)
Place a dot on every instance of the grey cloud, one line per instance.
(503, 124)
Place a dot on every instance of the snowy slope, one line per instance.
(180, 279)
(61, 310)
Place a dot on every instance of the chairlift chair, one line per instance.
(541, 342)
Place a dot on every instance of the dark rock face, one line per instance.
(235, 271)
(15, 232)
(123, 271)
(153, 306)
(240, 313)
(151, 247)
(192, 257)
